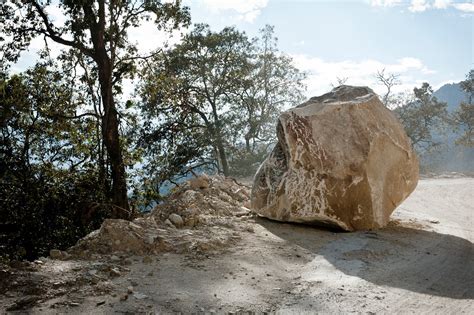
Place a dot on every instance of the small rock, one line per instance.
(434, 221)
(114, 272)
(190, 222)
(176, 219)
(201, 182)
(147, 260)
(100, 303)
(139, 296)
(124, 297)
(55, 254)
(130, 290)
(250, 229)
(168, 223)
(150, 240)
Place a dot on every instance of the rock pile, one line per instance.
(196, 216)
(342, 159)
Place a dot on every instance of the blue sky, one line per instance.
(421, 40)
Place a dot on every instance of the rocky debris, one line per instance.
(147, 260)
(23, 303)
(203, 197)
(196, 216)
(115, 272)
(58, 254)
(342, 159)
(176, 220)
(201, 182)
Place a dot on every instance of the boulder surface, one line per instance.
(342, 160)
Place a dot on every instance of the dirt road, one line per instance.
(422, 263)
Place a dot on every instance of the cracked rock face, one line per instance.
(342, 160)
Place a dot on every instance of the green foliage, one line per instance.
(463, 117)
(273, 84)
(244, 163)
(50, 191)
(220, 93)
(96, 31)
(421, 116)
(43, 208)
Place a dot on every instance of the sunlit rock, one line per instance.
(342, 159)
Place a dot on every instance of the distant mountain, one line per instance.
(452, 94)
(449, 157)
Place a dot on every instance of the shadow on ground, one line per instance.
(402, 257)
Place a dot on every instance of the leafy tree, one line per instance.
(196, 83)
(273, 84)
(49, 192)
(463, 117)
(222, 93)
(97, 31)
(421, 116)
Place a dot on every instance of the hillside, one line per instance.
(452, 94)
(449, 156)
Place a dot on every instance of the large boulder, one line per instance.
(342, 159)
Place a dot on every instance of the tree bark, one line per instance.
(110, 133)
(222, 155)
(218, 138)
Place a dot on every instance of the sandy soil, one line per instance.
(422, 263)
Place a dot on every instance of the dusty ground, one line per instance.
(422, 263)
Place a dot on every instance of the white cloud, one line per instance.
(418, 6)
(56, 14)
(384, 3)
(322, 74)
(423, 5)
(247, 10)
(465, 7)
(148, 37)
(441, 4)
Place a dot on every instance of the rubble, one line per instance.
(196, 216)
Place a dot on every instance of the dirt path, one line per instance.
(422, 263)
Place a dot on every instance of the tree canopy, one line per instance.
(421, 116)
(96, 31)
(222, 87)
(463, 117)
